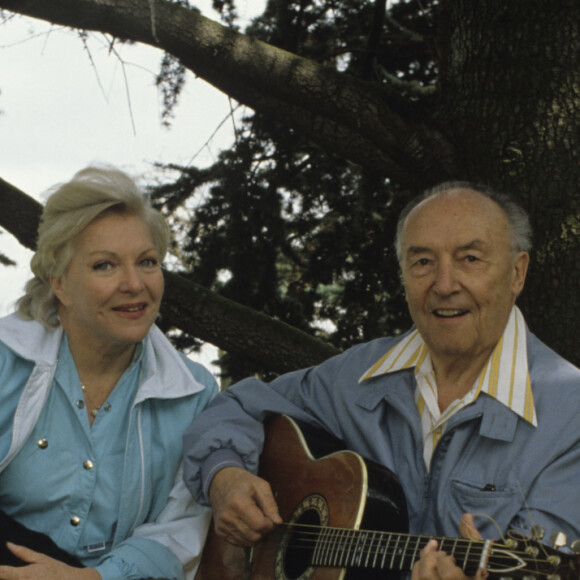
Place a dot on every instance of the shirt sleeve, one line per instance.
(230, 431)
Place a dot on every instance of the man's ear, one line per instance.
(521, 264)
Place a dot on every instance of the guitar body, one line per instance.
(313, 485)
(346, 519)
(339, 490)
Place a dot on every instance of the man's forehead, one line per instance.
(462, 217)
(459, 200)
(460, 245)
(457, 196)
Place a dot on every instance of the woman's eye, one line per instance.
(149, 262)
(102, 266)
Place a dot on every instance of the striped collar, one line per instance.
(505, 375)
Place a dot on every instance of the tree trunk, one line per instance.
(511, 95)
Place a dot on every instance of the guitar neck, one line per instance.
(337, 547)
(348, 548)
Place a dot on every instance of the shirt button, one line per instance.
(80, 404)
(75, 521)
(43, 443)
(88, 464)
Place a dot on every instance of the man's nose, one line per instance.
(446, 280)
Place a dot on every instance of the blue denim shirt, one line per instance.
(135, 517)
(533, 471)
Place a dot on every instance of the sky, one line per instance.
(64, 106)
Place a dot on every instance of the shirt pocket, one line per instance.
(493, 504)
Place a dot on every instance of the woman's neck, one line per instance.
(99, 365)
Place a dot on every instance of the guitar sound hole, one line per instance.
(301, 543)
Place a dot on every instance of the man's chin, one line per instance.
(450, 349)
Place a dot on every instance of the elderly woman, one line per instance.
(94, 399)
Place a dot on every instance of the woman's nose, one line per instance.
(132, 281)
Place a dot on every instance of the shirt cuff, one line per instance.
(216, 461)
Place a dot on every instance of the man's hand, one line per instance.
(244, 508)
(41, 566)
(434, 564)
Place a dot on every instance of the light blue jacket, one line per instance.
(160, 530)
(534, 472)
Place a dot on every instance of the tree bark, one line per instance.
(194, 309)
(357, 120)
(511, 96)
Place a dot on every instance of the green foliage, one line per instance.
(170, 80)
(286, 228)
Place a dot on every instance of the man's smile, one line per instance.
(449, 312)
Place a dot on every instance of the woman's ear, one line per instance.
(58, 287)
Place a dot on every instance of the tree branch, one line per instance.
(194, 309)
(357, 120)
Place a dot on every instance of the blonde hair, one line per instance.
(70, 208)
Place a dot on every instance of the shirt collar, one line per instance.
(504, 377)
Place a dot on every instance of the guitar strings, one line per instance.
(320, 538)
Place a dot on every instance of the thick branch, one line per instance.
(194, 309)
(356, 120)
(19, 214)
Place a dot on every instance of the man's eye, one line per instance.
(471, 258)
(422, 262)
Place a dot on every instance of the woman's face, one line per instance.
(111, 291)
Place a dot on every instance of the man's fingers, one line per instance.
(467, 528)
(436, 565)
(426, 564)
(267, 504)
(242, 522)
(244, 507)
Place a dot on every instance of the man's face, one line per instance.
(460, 275)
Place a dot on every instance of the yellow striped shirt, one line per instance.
(505, 377)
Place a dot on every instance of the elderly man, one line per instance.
(470, 410)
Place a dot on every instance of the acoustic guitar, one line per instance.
(335, 506)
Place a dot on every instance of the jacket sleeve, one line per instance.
(230, 432)
(170, 547)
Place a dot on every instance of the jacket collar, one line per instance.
(164, 374)
(31, 340)
(505, 376)
(497, 421)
